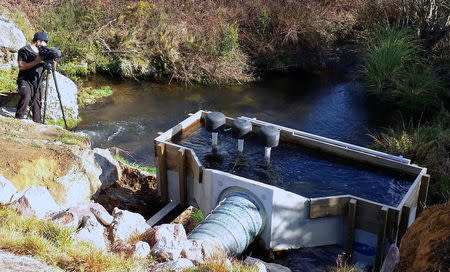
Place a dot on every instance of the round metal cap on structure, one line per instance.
(240, 128)
(214, 121)
(270, 136)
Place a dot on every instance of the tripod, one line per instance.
(51, 71)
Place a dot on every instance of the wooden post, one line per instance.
(403, 225)
(423, 193)
(181, 165)
(383, 216)
(162, 171)
(351, 216)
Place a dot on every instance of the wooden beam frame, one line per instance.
(383, 218)
(182, 177)
(162, 171)
(423, 194)
(351, 216)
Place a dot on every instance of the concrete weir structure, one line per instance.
(364, 228)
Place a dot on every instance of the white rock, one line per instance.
(177, 265)
(269, 267)
(200, 251)
(35, 200)
(111, 171)
(92, 231)
(68, 91)
(260, 267)
(141, 249)
(14, 263)
(126, 224)
(166, 233)
(7, 190)
(392, 259)
(168, 250)
(11, 40)
(104, 217)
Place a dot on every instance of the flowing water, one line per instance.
(329, 104)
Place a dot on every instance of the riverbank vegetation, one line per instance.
(412, 83)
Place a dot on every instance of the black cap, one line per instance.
(42, 36)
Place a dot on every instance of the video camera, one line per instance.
(49, 54)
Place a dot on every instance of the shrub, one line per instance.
(8, 79)
(397, 72)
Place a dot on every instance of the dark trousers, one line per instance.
(29, 95)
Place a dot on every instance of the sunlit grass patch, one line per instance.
(54, 244)
(148, 169)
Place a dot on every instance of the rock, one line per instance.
(111, 171)
(13, 263)
(168, 250)
(177, 265)
(126, 224)
(165, 233)
(392, 259)
(92, 231)
(68, 91)
(141, 249)
(260, 266)
(35, 200)
(200, 251)
(67, 218)
(11, 40)
(7, 190)
(269, 267)
(102, 215)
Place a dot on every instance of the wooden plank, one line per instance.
(382, 218)
(181, 162)
(392, 225)
(367, 218)
(193, 165)
(171, 156)
(423, 194)
(351, 215)
(162, 213)
(403, 225)
(162, 171)
(328, 206)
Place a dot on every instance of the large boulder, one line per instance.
(126, 225)
(68, 91)
(43, 155)
(11, 40)
(7, 190)
(35, 200)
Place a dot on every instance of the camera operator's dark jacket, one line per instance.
(33, 74)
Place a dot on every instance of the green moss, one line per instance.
(8, 79)
(71, 138)
(71, 123)
(197, 215)
(90, 96)
(149, 169)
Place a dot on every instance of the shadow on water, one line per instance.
(328, 104)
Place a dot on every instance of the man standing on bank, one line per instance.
(30, 71)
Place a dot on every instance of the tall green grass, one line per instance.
(398, 72)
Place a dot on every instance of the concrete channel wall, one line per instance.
(364, 228)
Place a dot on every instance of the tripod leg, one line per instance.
(59, 96)
(45, 101)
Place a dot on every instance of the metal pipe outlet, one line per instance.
(234, 223)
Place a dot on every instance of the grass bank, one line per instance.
(402, 77)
